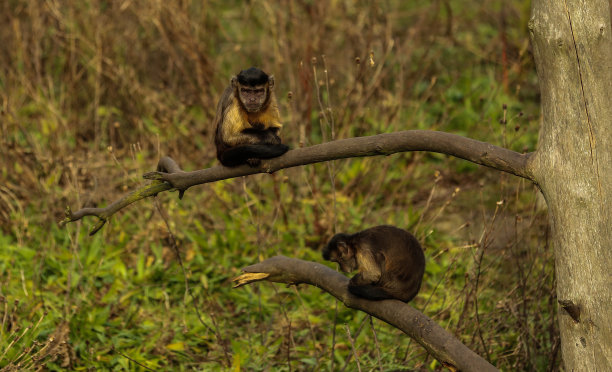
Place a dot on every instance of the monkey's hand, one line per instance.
(258, 126)
(360, 279)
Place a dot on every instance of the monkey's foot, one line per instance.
(248, 278)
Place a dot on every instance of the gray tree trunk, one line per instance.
(572, 46)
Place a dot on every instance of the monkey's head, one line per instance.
(253, 88)
(339, 250)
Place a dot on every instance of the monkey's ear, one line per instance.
(344, 249)
(271, 82)
(234, 81)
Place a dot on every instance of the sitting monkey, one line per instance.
(247, 121)
(390, 261)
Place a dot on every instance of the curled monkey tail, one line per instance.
(238, 155)
(370, 291)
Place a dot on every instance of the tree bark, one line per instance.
(572, 47)
(442, 345)
(381, 144)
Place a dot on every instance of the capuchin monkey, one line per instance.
(247, 120)
(390, 262)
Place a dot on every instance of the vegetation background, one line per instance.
(93, 92)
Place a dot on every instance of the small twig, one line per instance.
(130, 358)
(15, 340)
(39, 354)
(217, 332)
(348, 359)
(316, 84)
(348, 334)
(289, 346)
(479, 256)
(180, 261)
(4, 318)
(331, 169)
(553, 354)
(187, 289)
(376, 344)
(333, 345)
(310, 327)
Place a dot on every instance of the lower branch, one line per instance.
(439, 343)
(382, 144)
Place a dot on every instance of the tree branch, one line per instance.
(383, 144)
(103, 214)
(442, 345)
(165, 164)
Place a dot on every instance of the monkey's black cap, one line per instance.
(252, 76)
(333, 244)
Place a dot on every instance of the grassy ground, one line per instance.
(92, 93)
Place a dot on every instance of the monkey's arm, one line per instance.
(233, 125)
(366, 283)
(369, 269)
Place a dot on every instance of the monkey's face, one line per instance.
(253, 98)
(338, 250)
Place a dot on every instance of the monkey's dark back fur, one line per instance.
(399, 256)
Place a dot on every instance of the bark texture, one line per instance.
(572, 47)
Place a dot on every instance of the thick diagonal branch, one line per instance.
(441, 344)
(382, 144)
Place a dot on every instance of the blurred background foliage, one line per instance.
(93, 92)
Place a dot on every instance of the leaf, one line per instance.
(176, 346)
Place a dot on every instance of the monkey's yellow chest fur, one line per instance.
(241, 120)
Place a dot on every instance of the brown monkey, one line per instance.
(247, 120)
(390, 261)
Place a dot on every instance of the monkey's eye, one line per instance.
(259, 90)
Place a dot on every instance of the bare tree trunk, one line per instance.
(572, 46)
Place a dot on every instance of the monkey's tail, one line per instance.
(370, 291)
(240, 154)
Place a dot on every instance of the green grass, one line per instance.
(94, 92)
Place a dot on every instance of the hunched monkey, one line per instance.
(247, 120)
(390, 262)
